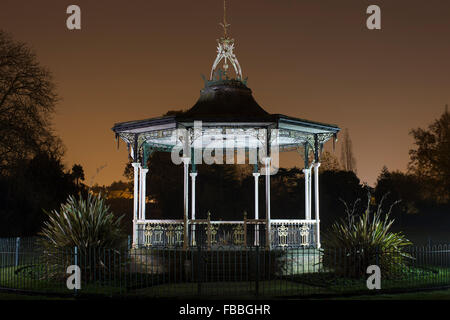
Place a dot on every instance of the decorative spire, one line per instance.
(225, 25)
(225, 50)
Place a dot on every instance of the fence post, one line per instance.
(129, 242)
(245, 228)
(17, 251)
(199, 270)
(257, 272)
(209, 230)
(76, 263)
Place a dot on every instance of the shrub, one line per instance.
(86, 224)
(354, 243)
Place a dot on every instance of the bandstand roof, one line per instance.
(225, 104)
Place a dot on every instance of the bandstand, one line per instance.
(226, 126)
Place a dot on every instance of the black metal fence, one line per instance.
(226, 271)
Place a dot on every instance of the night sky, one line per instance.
(310, 59)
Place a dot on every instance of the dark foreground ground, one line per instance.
(422, 295)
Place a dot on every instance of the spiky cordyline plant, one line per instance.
(86, 224)
(354, 243)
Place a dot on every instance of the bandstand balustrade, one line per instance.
(284, 233)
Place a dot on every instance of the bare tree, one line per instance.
(27, 100)
(348, 161)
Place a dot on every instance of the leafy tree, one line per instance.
(335, 185)
(27, 101)
(430, 158)
(119, 185)
(287, 194)
(39, 183)
(77, 173)
(400, 186)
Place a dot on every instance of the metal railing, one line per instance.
(293, 233)
(161, 233)
(210, 233)
(222, 270)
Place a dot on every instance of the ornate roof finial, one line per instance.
(225, 50)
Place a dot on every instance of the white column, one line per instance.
(310, 194)
(193, 176)
(135, 202)
(307, 212)
(186, 200)
(316, 198)
(256, 175)
(140, 194)
(143, 193)
(267, 173)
